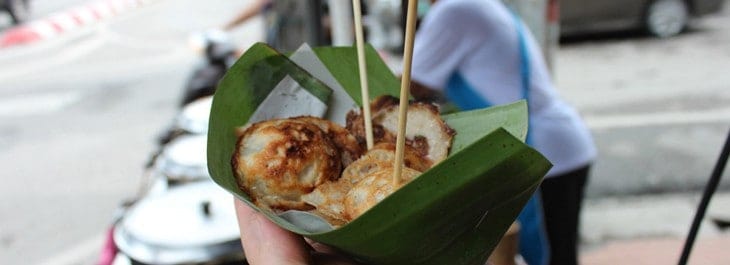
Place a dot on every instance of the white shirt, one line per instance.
(478, 41)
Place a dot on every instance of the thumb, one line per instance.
(265, 243)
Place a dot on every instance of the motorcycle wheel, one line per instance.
(19, 11)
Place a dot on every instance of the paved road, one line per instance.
(79, 113)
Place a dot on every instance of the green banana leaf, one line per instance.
(239, 93)
(454, 213)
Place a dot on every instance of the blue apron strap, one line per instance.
(524, 66)
(533, 244)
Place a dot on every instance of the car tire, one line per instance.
(19, 10)
(666, 18)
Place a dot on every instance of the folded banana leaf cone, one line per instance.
(454, 213)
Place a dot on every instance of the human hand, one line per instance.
(265, 243)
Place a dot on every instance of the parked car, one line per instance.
(662, 18)
(18, 9)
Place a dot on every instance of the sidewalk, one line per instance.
(652, 230)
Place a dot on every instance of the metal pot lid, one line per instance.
(189, 216)
(194, 116)
(185, 158)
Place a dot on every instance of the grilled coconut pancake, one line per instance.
(329, 198)
(426, 132)
(278, 161)
(296, 163)
(348, 147)
(413, 158)
(374, 188)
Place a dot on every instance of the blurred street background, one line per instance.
(80, 112)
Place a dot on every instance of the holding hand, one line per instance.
(266, 243)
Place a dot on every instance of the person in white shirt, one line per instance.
(476, 54)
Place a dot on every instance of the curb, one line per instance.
(68, 20)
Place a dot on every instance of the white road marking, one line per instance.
(78, 253)
(31, 104)
(662, 118)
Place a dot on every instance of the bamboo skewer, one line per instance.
(404, 89)
(365, 90)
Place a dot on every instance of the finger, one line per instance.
(322, 248)
(326, 255)
(266, 243)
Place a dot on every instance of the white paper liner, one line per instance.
(340, 101)
(288, 99)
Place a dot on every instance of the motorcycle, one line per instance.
(219, 54)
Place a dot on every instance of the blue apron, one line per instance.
(534, 246)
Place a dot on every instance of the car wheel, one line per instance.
(666, 18)
(19, 10)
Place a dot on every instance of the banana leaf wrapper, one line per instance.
(454, 213)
